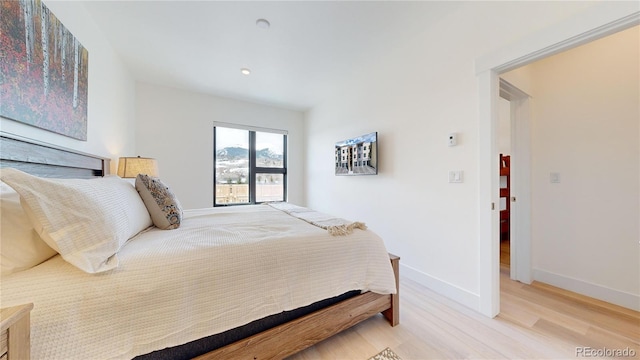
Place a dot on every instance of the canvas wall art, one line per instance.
(44, 70)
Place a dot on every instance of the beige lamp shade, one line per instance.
(130, 167)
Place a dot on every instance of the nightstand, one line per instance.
(15, 337)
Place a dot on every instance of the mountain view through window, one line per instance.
(249, 166)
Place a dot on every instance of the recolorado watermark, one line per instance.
(587, 351)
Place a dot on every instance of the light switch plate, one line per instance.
(456, 176)
(554, 177)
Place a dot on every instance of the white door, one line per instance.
(520, 226)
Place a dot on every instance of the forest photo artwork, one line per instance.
(44, 70)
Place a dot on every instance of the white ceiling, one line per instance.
(310, 48)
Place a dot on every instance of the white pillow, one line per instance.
(21, 247)
(86, 221)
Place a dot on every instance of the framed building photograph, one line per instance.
(357, 156)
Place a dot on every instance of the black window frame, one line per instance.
(254, 170)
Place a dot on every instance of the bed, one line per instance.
(211, 288)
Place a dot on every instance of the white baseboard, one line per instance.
(624, 299)
(442, 287)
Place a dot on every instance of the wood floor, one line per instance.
(505, 253)
(536, 321)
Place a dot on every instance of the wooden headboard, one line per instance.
(48, 160)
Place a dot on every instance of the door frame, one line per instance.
(596, 22)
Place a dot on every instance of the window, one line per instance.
(250, 165)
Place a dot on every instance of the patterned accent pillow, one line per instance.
(162, 204)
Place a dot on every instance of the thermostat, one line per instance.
(452, 140)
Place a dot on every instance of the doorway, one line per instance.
(513, 135)
(601, 21)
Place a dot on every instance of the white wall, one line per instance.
(415, 95)
(111, 108)
(585, 125)
(176, 127)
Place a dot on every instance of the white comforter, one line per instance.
(221, 269)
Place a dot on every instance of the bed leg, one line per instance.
(393, 313)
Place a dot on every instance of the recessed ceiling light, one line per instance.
(262, 23)
(245, 71)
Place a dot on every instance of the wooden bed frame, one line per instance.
(47, 160)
